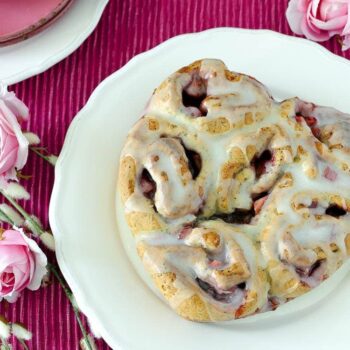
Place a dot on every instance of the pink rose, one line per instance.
(13, 144)
(22, 264)
(319, 20)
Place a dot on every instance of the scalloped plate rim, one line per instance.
(83, 115)
(65, 51)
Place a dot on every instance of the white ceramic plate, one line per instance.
(82, 212)
(38, 53)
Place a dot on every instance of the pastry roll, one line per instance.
(208, 272)
(307, 248)
(237, 203)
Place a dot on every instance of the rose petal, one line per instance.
(319, 20)
(295, 16)
(346, 43)
(12, 297)
(302, 5)
(22, 264)
(18, 108)
(12, 237)
(40, 260)
(15, 259)
(346, 29)
(9, 159)
(9, 122)
(330, 10)
(334, 25)
(21, 278)
(314, 7)
(12, 257)
(313, 34)
(311, 31)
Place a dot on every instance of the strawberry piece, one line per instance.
(310, 121)
(239, 312)
(299, 118)
(273, 302)
(215, 264)
(185, 231)
(316, 132)
(259, 203)
(263, 163)
(147, 186)
(313, 205)
(330, 174)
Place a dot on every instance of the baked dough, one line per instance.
(237, 202)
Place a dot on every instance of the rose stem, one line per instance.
(52, 268)
(4, 344)
(36, 150)
(9, 220)
(24, 213)
(25, 347)
(70, 296)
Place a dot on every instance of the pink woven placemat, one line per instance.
(127, 28)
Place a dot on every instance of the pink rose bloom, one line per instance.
(22, 264)
(13, 144)
(319, 20)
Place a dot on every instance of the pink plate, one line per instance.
(20, 19)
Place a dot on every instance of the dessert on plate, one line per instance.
(237, 203)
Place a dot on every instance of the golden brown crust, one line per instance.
(165, 283)
(214, 146)
(191, 67)
(194, 309)
(216, 126)
(142, 222)
(127, 177)
(347, 243)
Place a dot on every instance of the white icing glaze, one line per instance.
(306, 169)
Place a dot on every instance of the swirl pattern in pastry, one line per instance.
(237, 202)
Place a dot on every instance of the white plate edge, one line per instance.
(79, 295)
(62, 54)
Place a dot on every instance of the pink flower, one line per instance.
(22, 264)
(319, 20)
(13, 144)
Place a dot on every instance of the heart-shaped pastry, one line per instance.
(237, 203)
